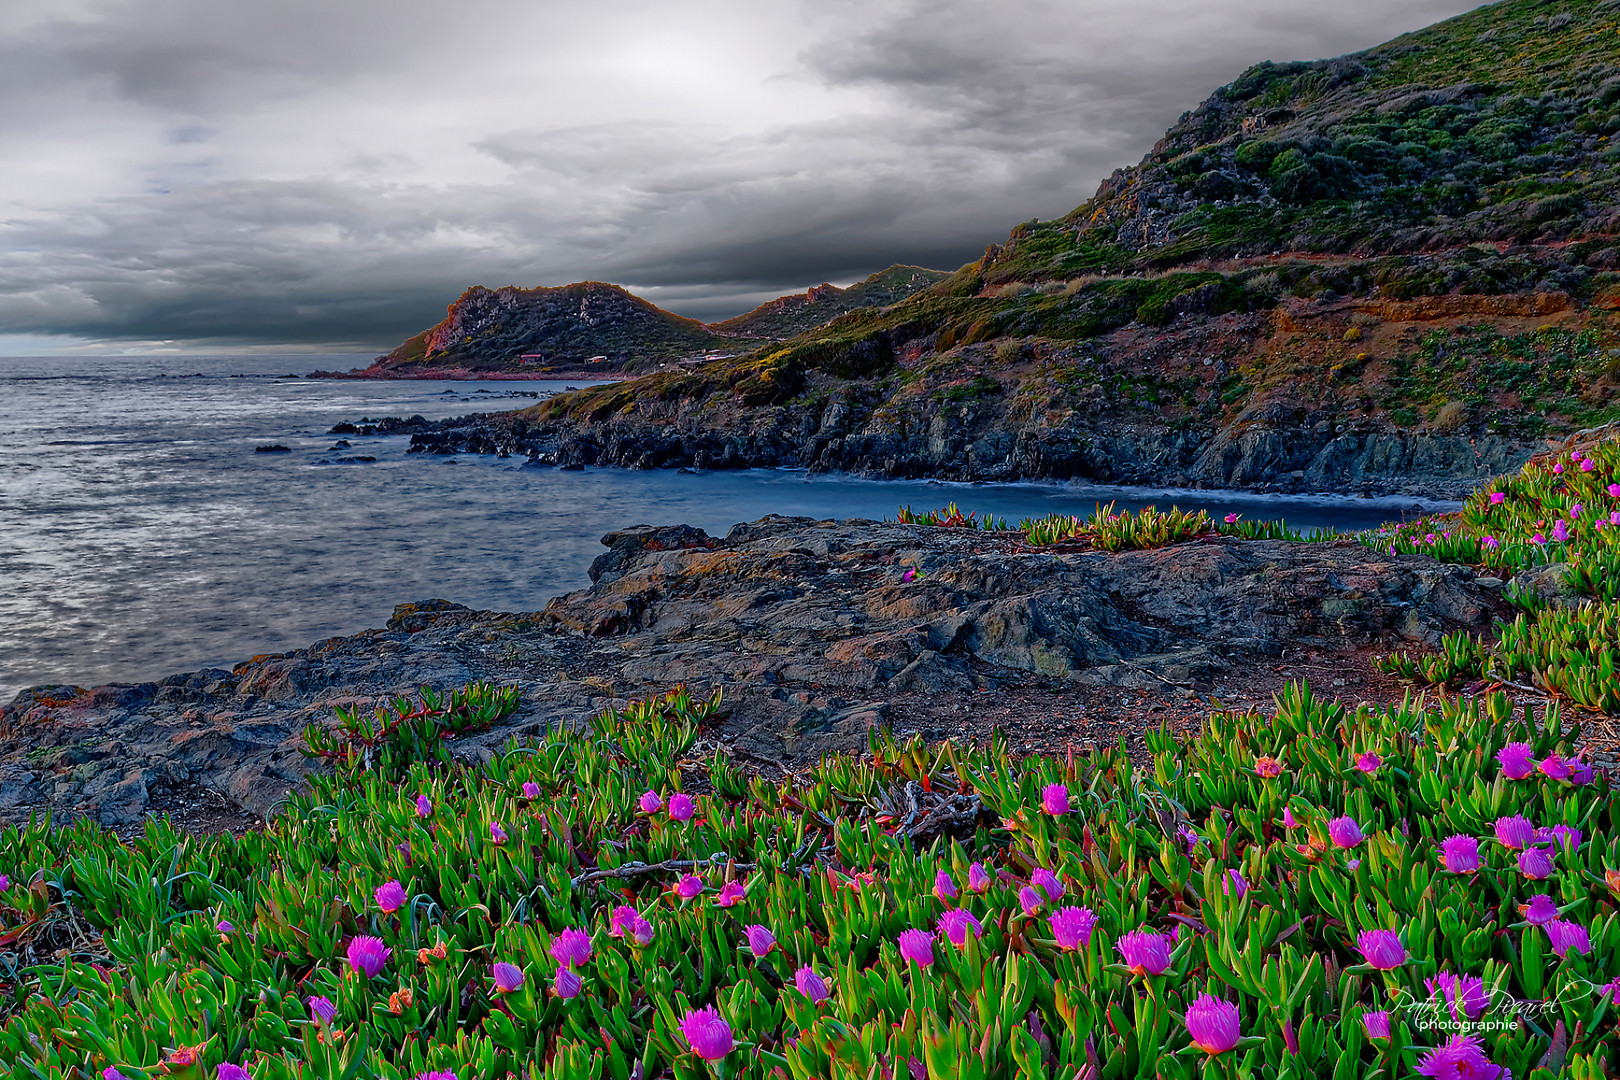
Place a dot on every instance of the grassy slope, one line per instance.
(788, 316)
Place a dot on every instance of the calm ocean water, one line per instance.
(141, 535)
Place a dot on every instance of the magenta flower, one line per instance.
(1344, 832)
(1559, 532)
(1514, 832)
(1587, 464)
(390, 896)
(1516, 760)
(978, 880)
(531, 790)
(707, 1033)
(367, 955)
(917, 946)
(944, 886)
(651, 802)
(1497, 498)
(1489, 541)
(571, 948)
(1465, 994)
(1461, 1057)
(1376, 1023)
(1055, 799)
(1536, 863)
(811, 985)
(1563, 837)
(1289, 820)
(1580, 772)
(508, 978)
(322, 1009)
(1213, 1024)
(620, 920)
(641, 931)
(1231, 519)
(1368, 763)
(1381, 949)
(1046, 881)
(424, 806)
(1072, 926)
(1614, 491)
(1030, 900)
(1144, 952)
(688, 887)
(1459, 854)
(1558, 469)
(760, 940)
(497, 835)
(680, 807)
(224, 927)
(1540, 910)
(111, 1073)
(1610, 990)
(227, 1071)
(565, 983)
(1267, 767)
(1234, 885)
(444, 1074)
(1553, 768)
(730, 893)
(957, 923)
(1565, 936)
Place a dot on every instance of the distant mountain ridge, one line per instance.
(789, 316)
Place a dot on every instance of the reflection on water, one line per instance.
(140, 533)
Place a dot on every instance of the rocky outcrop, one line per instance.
(813, 630)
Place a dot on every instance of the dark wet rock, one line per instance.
(275, 448)
(810, 629)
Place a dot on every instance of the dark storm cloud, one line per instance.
(334, 173)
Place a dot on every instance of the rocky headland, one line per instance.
(813, 631)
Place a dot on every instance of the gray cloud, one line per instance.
(335, 172)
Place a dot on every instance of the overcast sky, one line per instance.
(331, 173)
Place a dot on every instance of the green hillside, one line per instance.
(787, 316)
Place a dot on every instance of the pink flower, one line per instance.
(497, 835)
(760, 940)
(1580, 772)
(424, 806)
(1614, 491)
(531, 790)
(708, 1034)
(730, 893)
(621, 919)
(1267, 767)
(944, 886)
(1587, 464)
(1144, 952)
(1368, 763)
(322, 1009)
(1030, 900)
(444, 1074)
(1562, 838)
(641, 931)
(1553, 768)
(1610, 990)
(508, 977)
(1055, 799)
(1072, 926)
(1381, 949)
(367, 955)
(227, 1071)
(1344, 832)
(565, 983)
(1489, 541)
(1234, 885)
(1497, 498)
(916, 946)
(1459, 854)
(1514, 832)
(224, 927)
(571, 947)
(1046, 881)
(978, 880)
(688, 887)
(1464, 993)
(680, 807)
(1558, 469)
(1516, 760)
(1559, 532)
(1376, 1023)
(910, 575)
(1460, 1058)
(1540, 910)
(1614, 517)
(1565, 936)
(390, 896)
(651, 802)
(111, 1073)
(957, 923)
(811, 985)
(1289, 820)
(1213, 1024)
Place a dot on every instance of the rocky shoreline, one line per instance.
(814, 631)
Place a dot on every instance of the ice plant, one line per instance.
(1460, 1057)
(565, 983)
(651, 802)
(1288, 819)
(688, 887)
(390, 896)
(1072, 926)
(1564, 936)
(1234, 885)
(916, 946)
(811, 985)
(1144, 952)
(1267, 767)
(508, 977)
(1213, 1024)
(1459, 854)
(1516, 760)
(110, 1073)
(1535, 863)
(571, 948)
(730, 893)
(1345, 832)
(497, 835)
(680, 807)
(957, 923)
(1046, 881)
(760, 940)
(1514, 833)
(322, 1009)
(1497, 498)
(621, 919)
(444, 1074)
(1564, 838)
(707, 1033)
(531, 790)
(1381, 949)
(1540, 910)
(1376, 1023)
(424, 806)
(1368, 763)
(224, 927)
(944, 886)
(1464, 995)
(1055, 799)
(1030, 900)
(227, 1071)
(1553, 768)
(978, 880)
(367, 955)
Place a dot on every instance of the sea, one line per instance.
(143, 534)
